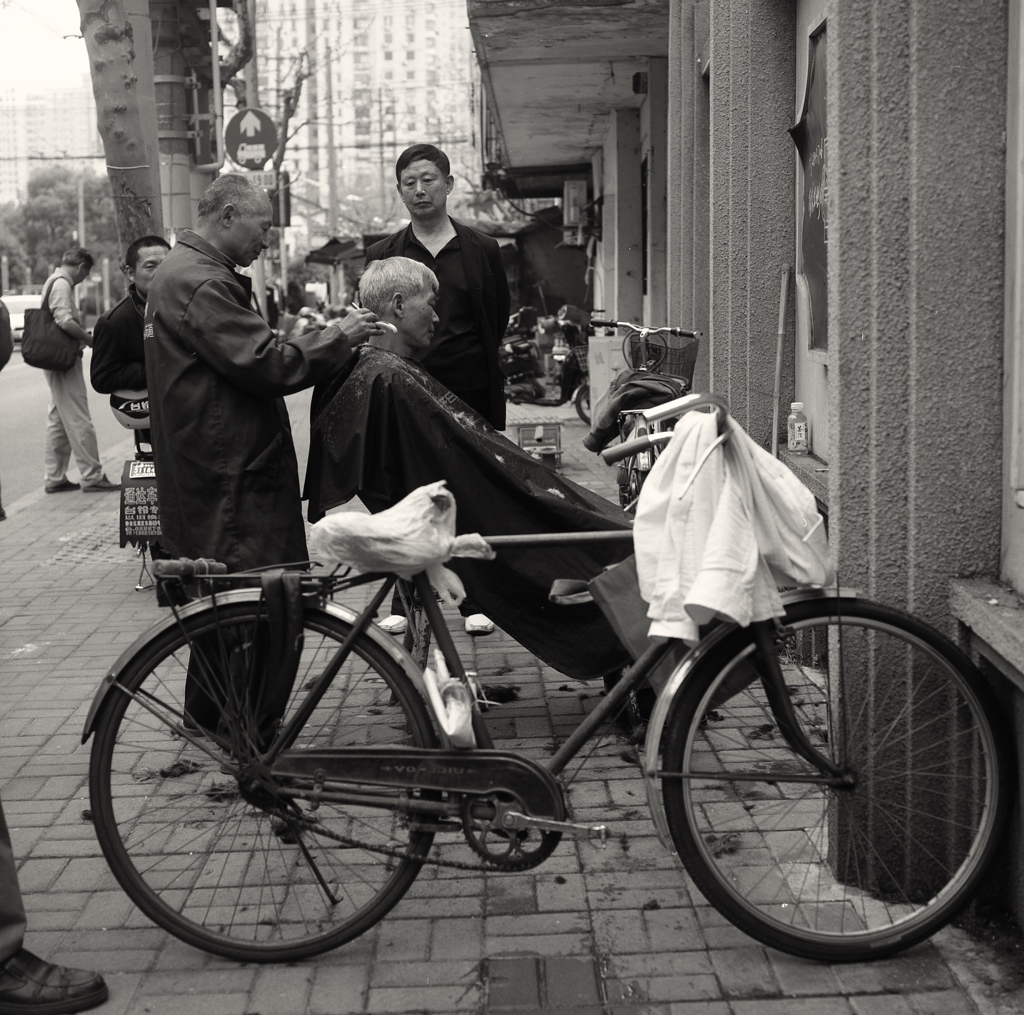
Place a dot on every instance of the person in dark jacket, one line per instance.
(118, 353)
(473, 301)
(226, 473)
(473, 305)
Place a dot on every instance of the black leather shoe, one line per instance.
(30, 986)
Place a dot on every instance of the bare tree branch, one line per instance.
(241, 52)
(289, 106)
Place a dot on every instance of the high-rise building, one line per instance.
(385, 74)
(44, 126)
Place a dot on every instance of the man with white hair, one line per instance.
(384, 426)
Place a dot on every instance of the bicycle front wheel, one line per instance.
(215, 863)
(800, 861)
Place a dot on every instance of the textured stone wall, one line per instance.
(751, 198)
(916, 106)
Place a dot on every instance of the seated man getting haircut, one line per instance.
(383, 427)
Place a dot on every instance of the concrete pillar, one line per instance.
(688, 139)
(621, 213)
(916, 236)
(751, 198)
(653, 131)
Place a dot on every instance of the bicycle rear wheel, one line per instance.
(830, 872)
(231, 873)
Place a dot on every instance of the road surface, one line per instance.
(24, 398)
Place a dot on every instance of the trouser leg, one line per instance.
(71, 401)
(12, 909)
(58, 447)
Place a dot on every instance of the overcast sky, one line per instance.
(33, 50)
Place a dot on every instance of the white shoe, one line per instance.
(477, 623)
(395, 624)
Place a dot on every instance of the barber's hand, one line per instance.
(359, 325)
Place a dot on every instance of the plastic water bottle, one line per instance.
(797, 430)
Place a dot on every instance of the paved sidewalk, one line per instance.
(621, 930)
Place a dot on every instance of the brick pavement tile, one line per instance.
(105, 909)
(175, 954)
(128, 960)
(920, 969)
(744, 972)
(945, 1002)
(673, 928)
(880, 1004)
(215, 981)
(539, 923)
(281, 990)
(432, 973)
(193, 1004)
(793, 1006)
(439, 907)
(560, 892)
(620, 932)
(123, 989)
(538, 944)
(570, 982)
(39, 874)
(457, 939)
(800, 976)
(697, 1008)
(508, 895)
(404, 940)
(338, 990)
(463, 998)
(695, 987)
(625, 967)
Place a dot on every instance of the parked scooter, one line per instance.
(571, 355)
(520, 361)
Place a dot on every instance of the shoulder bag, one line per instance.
(44, 343)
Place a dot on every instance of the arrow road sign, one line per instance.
(250, 138)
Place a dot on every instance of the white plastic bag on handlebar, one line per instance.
(417, 534)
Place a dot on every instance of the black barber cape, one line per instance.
(383, 427)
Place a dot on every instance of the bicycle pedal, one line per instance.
(513, 819)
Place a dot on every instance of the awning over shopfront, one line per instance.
(336, 250)
(551, 73)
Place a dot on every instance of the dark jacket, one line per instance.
(118, 354)
(226, 472)
(489, 297)
(6, 339)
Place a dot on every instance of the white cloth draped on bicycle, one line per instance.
(417, 534)
(719, 528)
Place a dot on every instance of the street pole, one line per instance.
(105, 268)
(81, 211)
(252, 100)
(5, 273)
(332, 178)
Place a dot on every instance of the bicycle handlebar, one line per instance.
(639, 328)
(619, 451)
(185, 568)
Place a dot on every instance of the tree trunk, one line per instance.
(121, 81)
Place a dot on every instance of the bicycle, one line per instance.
(670, 353)
(835, 783)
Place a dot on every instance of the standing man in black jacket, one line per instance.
(473, 301)
(472, 304)
(118, 352)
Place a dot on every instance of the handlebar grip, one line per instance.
(185, 568)
(683, 333)
(619, 451)
(603, 324)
